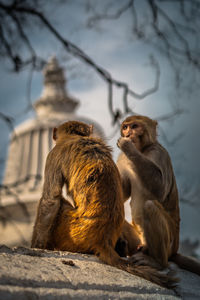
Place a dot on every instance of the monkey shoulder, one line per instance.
(94, 148)
(155, 149)
(158, 155)
(56, 153)
(52, 157)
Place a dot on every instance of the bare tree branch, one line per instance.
(113, 16)
(13, 10)
(8, 120)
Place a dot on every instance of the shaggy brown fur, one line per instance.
(84, 164)
(148, 178)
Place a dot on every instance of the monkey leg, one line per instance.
(158, 230)
(46, 215)
(108, 255)
(129, 240)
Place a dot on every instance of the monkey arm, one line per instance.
(47, 212)
(149, 172)
(126, 184)
(48, 206)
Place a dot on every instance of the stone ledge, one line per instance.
(40, 274)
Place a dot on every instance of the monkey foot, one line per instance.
(142, 248)
(141, 259)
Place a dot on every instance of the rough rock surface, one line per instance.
(39, 274)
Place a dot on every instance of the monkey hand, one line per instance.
(39, 241)
(38, 244)
(125, 144)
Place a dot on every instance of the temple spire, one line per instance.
(54, 97)
(29, 146)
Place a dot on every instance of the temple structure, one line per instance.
(29, 146)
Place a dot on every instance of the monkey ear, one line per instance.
(55, 133)
(155, 122)
(91, 128)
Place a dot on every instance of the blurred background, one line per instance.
(96, 61)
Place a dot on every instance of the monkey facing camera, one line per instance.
(148, 178)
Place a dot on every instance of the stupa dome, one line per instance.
(32, 141)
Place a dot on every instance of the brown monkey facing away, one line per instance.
(84, 164)
(148, 178)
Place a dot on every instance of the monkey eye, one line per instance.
(125, 127)
(133, 126)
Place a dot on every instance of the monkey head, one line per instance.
(141, 130)
(72, 128)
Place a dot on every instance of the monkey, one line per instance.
(148, 178)
(93, 225)
(129, 240)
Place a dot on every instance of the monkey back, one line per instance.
(93, 181)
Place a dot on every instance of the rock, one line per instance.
(28, 274)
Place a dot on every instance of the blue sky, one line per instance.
(113, 47)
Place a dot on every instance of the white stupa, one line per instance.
(29, 146)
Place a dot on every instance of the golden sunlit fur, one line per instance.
(94, 223)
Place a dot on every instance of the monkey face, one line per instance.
(140, 130)
(132, 130)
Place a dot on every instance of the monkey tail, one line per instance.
(110, 257)
(188, 263)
